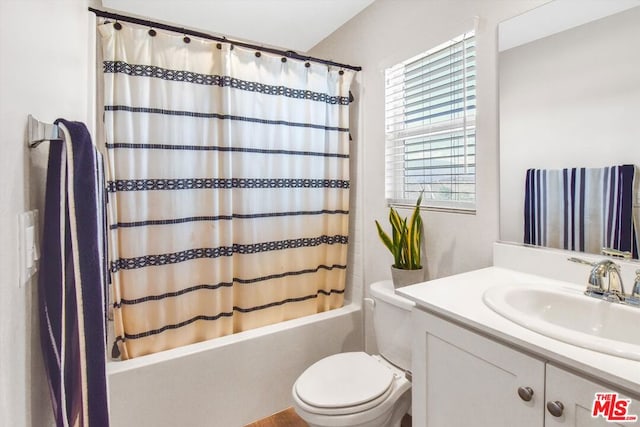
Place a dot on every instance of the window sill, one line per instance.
(447, 209)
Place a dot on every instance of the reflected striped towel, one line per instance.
(72, 281)
(581, 209)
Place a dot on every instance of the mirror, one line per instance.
(569, 84)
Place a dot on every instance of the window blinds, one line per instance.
(430, 127)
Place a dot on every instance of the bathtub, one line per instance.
(229, 381)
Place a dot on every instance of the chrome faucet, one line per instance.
(605, 281)
(615, 289)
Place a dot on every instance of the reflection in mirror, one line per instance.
(569, 100)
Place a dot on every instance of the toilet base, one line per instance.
(390, 418)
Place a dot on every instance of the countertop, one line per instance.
(459, 298)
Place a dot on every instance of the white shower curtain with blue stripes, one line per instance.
(229, 187)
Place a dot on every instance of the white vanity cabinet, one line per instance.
(576, 395)
(468, 380)
(462, 379)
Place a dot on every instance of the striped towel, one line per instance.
(581, 209)
(72, 281)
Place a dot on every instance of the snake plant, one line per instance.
(405, 241)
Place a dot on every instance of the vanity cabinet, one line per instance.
(577, 394)
(462, 378)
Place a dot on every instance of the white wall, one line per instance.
(44, 65)
(568, 100)
(390, 31)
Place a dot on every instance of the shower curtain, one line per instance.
(229, 187)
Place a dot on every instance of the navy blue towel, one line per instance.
(581, 209)
(72, 280)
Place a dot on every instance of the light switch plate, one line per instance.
(28, 253)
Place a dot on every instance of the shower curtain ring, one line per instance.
(186, 38)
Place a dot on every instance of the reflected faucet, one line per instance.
(604, 280)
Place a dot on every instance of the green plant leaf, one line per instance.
(384, 237)
(401, 261)
(397, 230)
(415, 236)
(405, 241)
(395, 220)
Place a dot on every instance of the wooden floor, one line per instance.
(288, 418)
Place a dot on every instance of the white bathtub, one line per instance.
(229, 381)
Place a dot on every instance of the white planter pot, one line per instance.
(406, 277)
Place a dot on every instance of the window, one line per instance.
(430, 127)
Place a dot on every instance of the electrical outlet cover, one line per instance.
(27, 245)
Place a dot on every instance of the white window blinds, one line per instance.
(430, 127)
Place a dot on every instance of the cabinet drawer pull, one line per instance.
(555, 408)
(525, 393)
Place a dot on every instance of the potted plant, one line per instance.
(405, 244)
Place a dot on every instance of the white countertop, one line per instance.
(459, 298)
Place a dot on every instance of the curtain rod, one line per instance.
(289, 53)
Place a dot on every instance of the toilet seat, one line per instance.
(345, 383)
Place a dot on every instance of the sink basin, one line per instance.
(567, 315)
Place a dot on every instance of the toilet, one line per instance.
(358, 389)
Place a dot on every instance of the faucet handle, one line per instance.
(616, 253)
(581, 261)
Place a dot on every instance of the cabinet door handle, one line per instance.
(525, 393)
(555, 408)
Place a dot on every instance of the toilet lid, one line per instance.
(343, 380)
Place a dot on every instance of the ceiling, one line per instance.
(289, 24)
(554, 17)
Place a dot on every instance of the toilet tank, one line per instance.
(392, 323)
